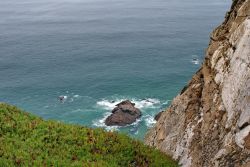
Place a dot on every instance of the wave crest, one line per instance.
(143, 103)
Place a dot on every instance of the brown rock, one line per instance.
(202, 125)
(123, 114)
(247, 141)
(157, 116)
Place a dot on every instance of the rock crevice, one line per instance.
(208, 124)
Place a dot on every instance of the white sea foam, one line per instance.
(195, 59)
(77, 110)
(136, 122)
(76, 96)
(108, 105)
(144, 103)
(63, 98)
(69, 98)
(195, 62)
(101, 123)
(149, 120)
(134, 128)
(166, 102)
(46, 106)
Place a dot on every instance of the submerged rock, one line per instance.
(123, 114)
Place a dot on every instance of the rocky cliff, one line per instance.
(208, 123)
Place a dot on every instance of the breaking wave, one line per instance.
(148, 106)
(101, 123)
(149, 121)
(143, 103)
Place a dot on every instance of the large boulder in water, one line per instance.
(123, 114)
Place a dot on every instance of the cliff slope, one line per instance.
(208, 123)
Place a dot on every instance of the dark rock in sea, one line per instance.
(157, 116)
(123, 114)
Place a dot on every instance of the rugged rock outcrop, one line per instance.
(123, 114)
(208, 124)
(157, 116)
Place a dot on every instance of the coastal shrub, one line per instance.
(27, 140)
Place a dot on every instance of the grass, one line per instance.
(27, 140)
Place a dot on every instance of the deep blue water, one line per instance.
(97, 51)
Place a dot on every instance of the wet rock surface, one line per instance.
(124, 113)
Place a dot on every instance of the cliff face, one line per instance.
(208, 123)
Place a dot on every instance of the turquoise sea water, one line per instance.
(97, 51)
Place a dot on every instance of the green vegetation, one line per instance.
(27, 140)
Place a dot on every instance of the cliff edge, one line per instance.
(208, 123)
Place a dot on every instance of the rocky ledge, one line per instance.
(208, 123)
(123, 114)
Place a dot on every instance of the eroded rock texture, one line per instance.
(208, 124)
(123, 114)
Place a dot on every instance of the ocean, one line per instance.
(97, 53)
